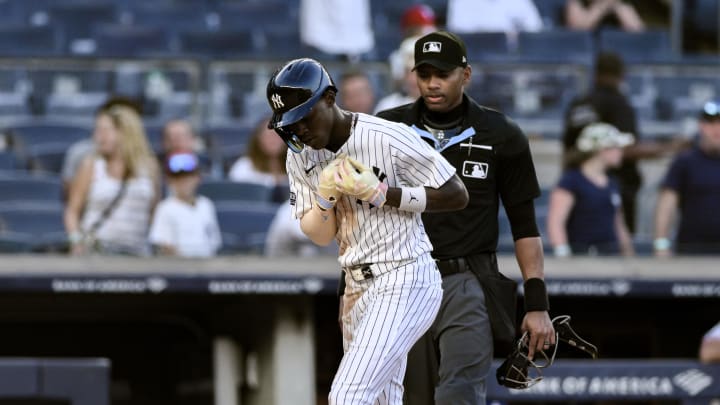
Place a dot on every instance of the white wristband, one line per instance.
(661, 244)
(413, 199)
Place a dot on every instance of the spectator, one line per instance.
(356, 92)
(585, 215)
(185, 223)
(510, 16)
(402, 63)
(115, 189)
(264, 162)
(606, 103)
(692, 185)
(710, 346)
(82, 148)
(337, 27)
(591, 15)
(418, 20)
(177, 136)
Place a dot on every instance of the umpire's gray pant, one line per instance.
(449, 364)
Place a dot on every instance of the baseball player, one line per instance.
(365, 182)
(450, 363)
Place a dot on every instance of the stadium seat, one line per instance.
(23, 187)
(558, 46)
(36, 41)
(47, 157)
(74, 22)
(244, 226)
(264, 16)
(227, 143)
(483, 45)
(219, 44)
(552, 12)
(645, 47)
(8, 161)
(130, 41)
(41, 132)
(44, 222)
(222, 191)
(15, 242)
(175, 18)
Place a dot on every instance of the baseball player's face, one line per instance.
(442, 90)
(314, 129)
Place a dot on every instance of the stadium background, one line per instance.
(209, 61)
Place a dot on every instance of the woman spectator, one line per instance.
(116, 188)
(264, 162)
(585, 215)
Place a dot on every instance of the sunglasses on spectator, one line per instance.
(711, 111)
(182, 163)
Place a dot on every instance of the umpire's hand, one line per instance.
(541, 331)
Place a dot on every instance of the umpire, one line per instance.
(451, 362)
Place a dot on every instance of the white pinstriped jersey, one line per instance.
(400, 158)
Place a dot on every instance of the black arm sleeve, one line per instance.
(522, 220)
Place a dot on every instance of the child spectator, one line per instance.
(185, 223)
(585, 215)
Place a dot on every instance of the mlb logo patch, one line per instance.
(476, 170)
(432, 47)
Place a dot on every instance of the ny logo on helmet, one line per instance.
(434, 47)
(277, 101)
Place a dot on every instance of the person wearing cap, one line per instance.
(449, 365)
(417, 20)
(585, 215)
(402, 62)
(185, 223)
(692, 186)
(365, 182)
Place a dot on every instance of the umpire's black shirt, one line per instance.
(492, 157)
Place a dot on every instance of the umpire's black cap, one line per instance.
(442, 49)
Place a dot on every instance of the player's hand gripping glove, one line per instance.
(355, 179)
(327, 193)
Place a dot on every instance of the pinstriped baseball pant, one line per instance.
(382, 318)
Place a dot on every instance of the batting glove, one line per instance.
(327, 193)
(355, 179)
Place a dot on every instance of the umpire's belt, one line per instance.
(451, 266)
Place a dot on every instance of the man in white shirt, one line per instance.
(509, 16)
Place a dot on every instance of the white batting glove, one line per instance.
(355, 179)
(327, 193)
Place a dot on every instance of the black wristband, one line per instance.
(536, 298)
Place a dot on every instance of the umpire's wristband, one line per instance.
(536, 298)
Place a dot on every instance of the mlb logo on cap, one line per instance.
(433, 46)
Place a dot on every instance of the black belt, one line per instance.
(452, 266)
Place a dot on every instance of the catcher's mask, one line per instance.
(519, 372)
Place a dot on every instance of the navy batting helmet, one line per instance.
(292, 91)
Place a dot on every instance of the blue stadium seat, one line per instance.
(227, 143)
(560, 46)
(47, 157)
(645, 47)
(265, 16)
(219, 44)
(74, 20)
(9, 161)
(87, 80)
(36, 41)
(244, 226)
(483, 45)
(552, 12)
(15, 242)
(24, 187)
(130, 41)
(43, 221)
(40, 132)
(223, 191)
(175, 18)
